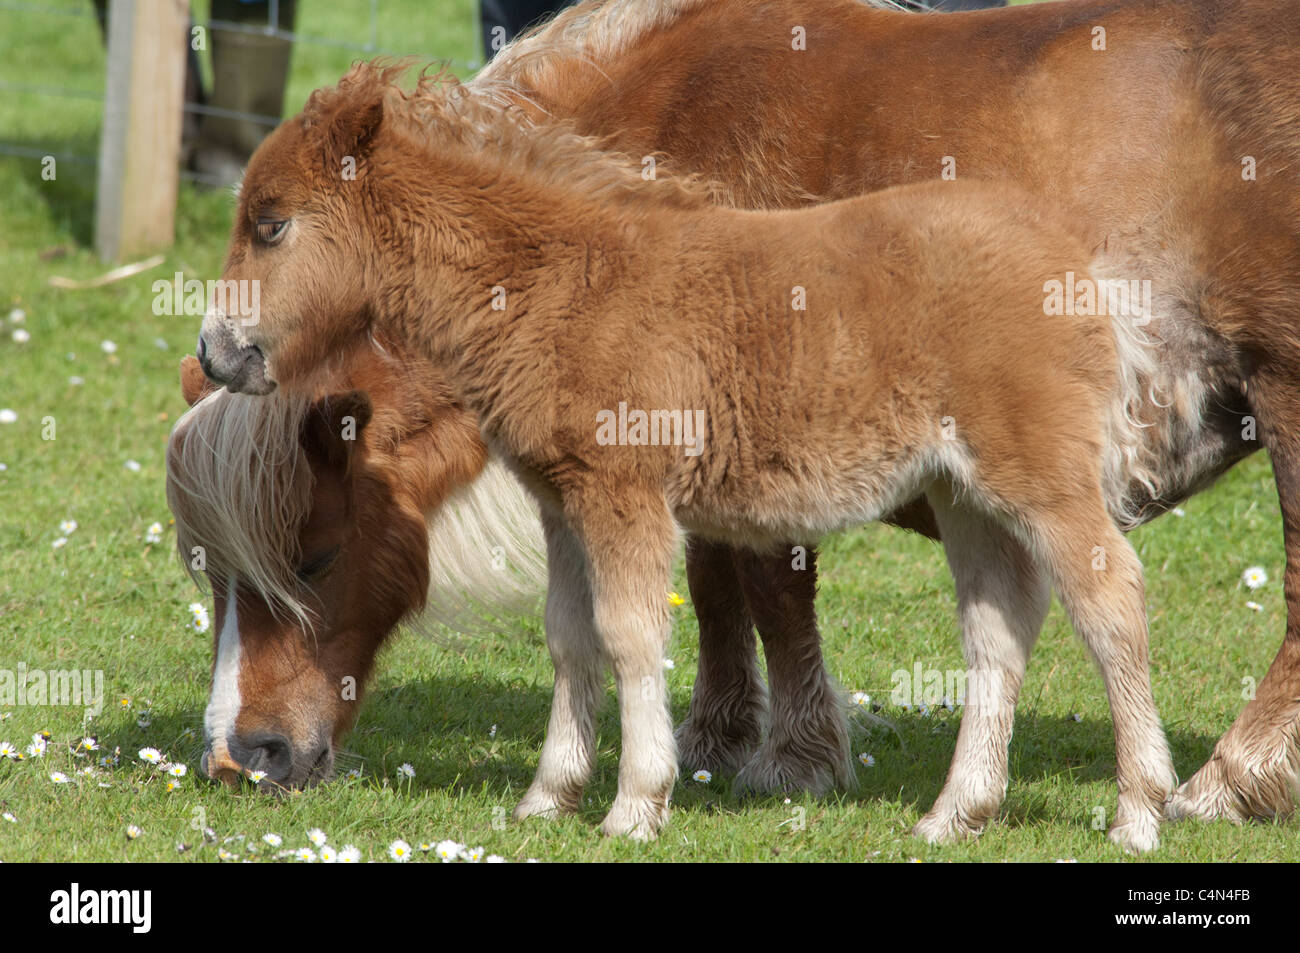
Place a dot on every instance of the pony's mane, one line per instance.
(445, 117)
(240, 487)
(592, 32)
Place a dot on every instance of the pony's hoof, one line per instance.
(1205, 801)
(718, 752)
(1138, 835)
(1224, 791)
(639, 821)
(769, 772)
(537, 803)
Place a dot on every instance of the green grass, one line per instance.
(109, 601)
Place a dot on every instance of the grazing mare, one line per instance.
(806, 371)
(1165, 131)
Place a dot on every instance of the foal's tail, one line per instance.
(487, 556)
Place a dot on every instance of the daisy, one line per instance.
(1179, 511)
(449, 850)
(406, 771)
(76, 380)
(704, 777)
(154, 533)
(132, 465)
(1254, 607)
(58, 777)
(669, 664)
(304, 855)
(199, 617)
(68, 527)
(494, 859)
(426, 846)
(173, 784)
(327, 854)
(9, 817)
(474, 854)
(275, 840)
(317, 837)
(7, 750)
(399, 850)
(17, 315)
(87, 744)
(862, 699)
(60, 542)
(1254, 577)
(256, 776)
(87, 771)
(349, 855)
(353, 774)
(37, 748)
(7, 416)
(22, 335)
(132, 831)
(223, 854)
(151, 755)
(160, 343)
(124, 703)
(492, 732)
(867, 760)
(177, 770)
(108, 347)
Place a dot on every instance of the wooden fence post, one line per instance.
(140, 145)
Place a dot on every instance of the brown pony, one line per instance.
(317, 517)
(1166, 132)
(802, 371)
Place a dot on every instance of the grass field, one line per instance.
(469, 715)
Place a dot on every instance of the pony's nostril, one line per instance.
(265, 752)
(201, 352)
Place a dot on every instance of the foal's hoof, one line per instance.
(1138, 835)
(771, 772)
(945, 828)
(537, 803)
(721, 752)
(638, 820)
(1218, 792)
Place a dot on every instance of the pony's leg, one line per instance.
(1002, 599)
(569, 752)
(1099, 578)
(630, 549)
(724, 725)
(807, 747)
(1255, 769)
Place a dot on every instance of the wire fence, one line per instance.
(83, 106)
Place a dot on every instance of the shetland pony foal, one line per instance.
(842, 359)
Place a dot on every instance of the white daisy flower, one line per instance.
(867, 760)
(349, 855)
(160, 343)
(1254, 607)
(68, 527)
(177, 770)
(327, 854)
(17, 316)
(669, 664)
(304, 855)
(22, 335)
(132, 831)
(87, 771)
(406, 771)
(275, 840)
(151, 755)
(60, 542)
(494, 859)
(9, 817)
(199, 621)
(474, 854)
(108, 347)
(492, 732)
(353, 774)
(704, 777)
(8, 416)
(76, 380)
(7, 750)
(448, 850)
(256, 776)
(88, 744)
(317, 837)
(1254, 577)
(37, 748)
(223, 854)
(58, 777)
(399, 850)
(154, 533)
(1179, 511)
(132, 465)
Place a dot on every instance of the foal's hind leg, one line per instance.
(1099, 578)
(807, 746)
(1002, 598)
(569, 752)
(729, 703)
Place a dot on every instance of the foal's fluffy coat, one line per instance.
(844, 358)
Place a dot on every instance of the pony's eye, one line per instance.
(271, 232)
(317, 564)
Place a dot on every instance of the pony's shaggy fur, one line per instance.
(617, 288)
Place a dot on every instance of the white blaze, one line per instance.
(223, 705)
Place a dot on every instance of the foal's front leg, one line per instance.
(630, 544)
(569, 752)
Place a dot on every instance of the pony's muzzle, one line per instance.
(239, 367)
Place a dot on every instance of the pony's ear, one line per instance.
(348, 132)
(194, 383)
(334, 425)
